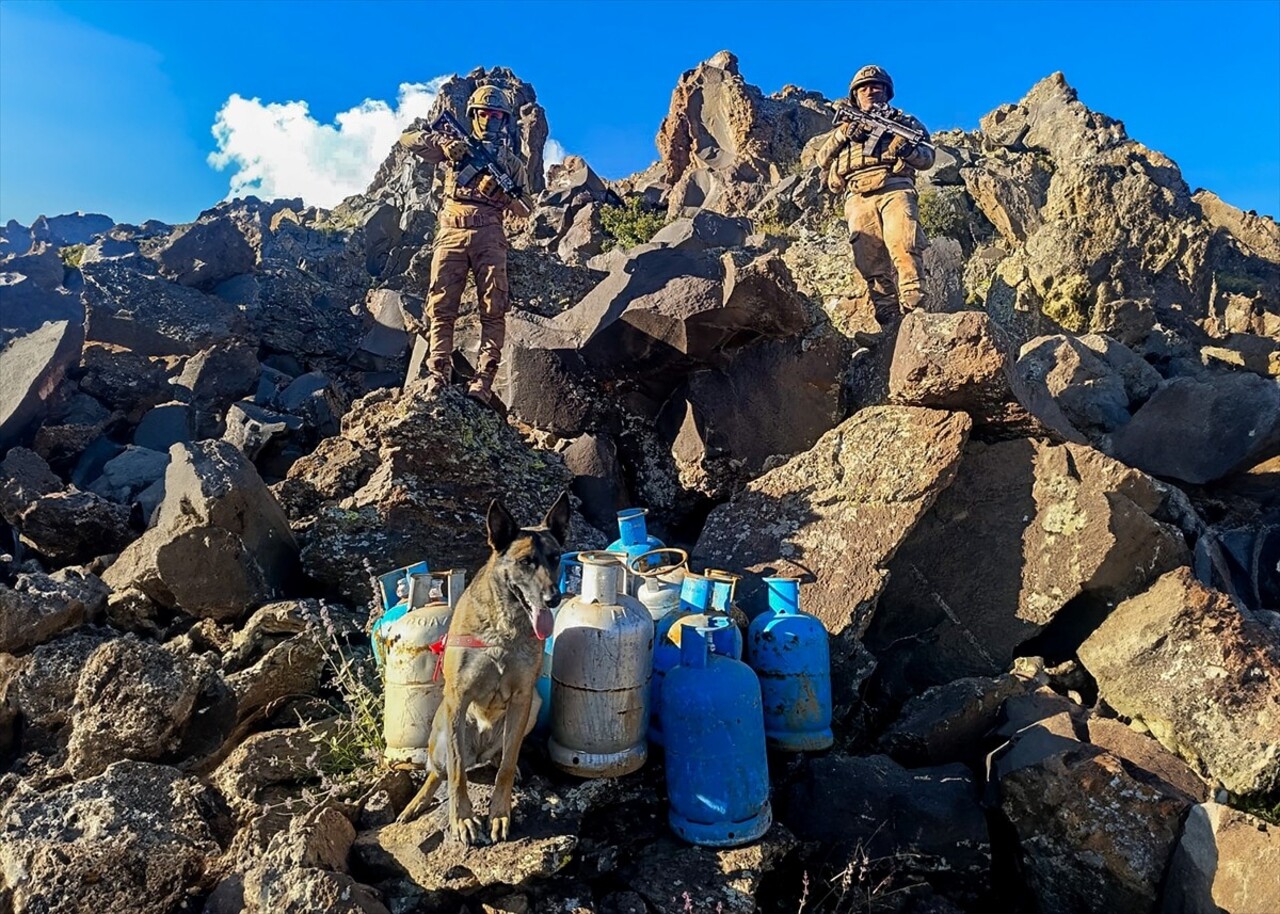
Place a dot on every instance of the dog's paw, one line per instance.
(499, 827)
(467, 830)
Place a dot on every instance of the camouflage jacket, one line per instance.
(426, 145)
(845, 165)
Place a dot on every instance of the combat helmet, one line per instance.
(491, 97)
(872, 74)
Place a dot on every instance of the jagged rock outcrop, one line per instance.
(1198, 671)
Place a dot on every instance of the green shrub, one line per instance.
(630, 224)
(351, 745)
(944, 213)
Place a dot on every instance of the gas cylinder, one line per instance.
(633, 539)
(716, 767)
(695, 596)
(570, 583)
(411, 692)
(393, 596)
(661, 574)
(788, 650)
(600, 670)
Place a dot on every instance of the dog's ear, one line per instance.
(503, 528)
(557, 519)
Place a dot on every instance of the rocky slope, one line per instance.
(1040, 519)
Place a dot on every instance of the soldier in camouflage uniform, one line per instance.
(881, 209)
(470, 239)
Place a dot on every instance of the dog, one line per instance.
(491, 661)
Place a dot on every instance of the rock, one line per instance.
(1010, 193)
(946, 723)
(73, 526)
(704, 230)
(387, 338)
(1082, 387)
(220, 543)
(775, 399)
(206, 252)
(31, 368)
(265, 759)
(133, 700)
(544, 836)
(1200, 430)
(272, 440)
(665, 308)
(1142, 752)
(1226, 860)
(953, 361)
(1084, 531)
(569, 181)
(304, 870)
(414, 475)
(24, 477)
(1258, 234)
(676, 879)
(126, 476)
(32, 293)
(124, 380)
(135, 838)
(837, 513)
(75, 421)
(922, 824)
(584, 238)
(293, 667)
(720, 127)
(44, 689)
(225, 372)
(1200, 673)
(40, 606)
(543, 379)
(597, 479)
(151, 316)
(311, 397)
(1093, 838)
(164, 426)
(71, 228)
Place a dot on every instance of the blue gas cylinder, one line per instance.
(393, 595)
(570, 585)
(633, 540)
(716, 767)
(788, 650)
(695, 595)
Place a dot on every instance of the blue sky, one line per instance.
(110, 106)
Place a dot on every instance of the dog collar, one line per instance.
(447, 641)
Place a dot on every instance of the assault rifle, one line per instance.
(877, 122)
(480, 161)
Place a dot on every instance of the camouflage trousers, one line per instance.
(888, 248)
(459, 250)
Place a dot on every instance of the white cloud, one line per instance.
(552, 153)
(280, 150)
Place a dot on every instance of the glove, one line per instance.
(488, 186)
(835, 182)
(899, 148)
(454, 150)
(858, 132)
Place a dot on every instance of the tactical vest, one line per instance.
(460, 199)
(868, 173)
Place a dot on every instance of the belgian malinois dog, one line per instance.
(492, 657)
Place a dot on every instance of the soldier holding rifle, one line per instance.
(873, 156)
(484, 178)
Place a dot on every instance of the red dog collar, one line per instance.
(452, 641)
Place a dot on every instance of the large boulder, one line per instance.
(44, 689)
(775, 399)
(837, 513)
(1094, 836)
(1201, 673)
(206, 252)
(32, 292)
(31, 368)
(141, 311)
(411, 477)
(1027, 530)
(135, 838)
(1083, 388)
(134, 699)
(39, 606)
(1199, 430)
(220, 544)
(1226, 860)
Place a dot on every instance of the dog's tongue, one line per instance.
(543, 624)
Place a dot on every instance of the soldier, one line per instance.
(470, 238)
(884, 223)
